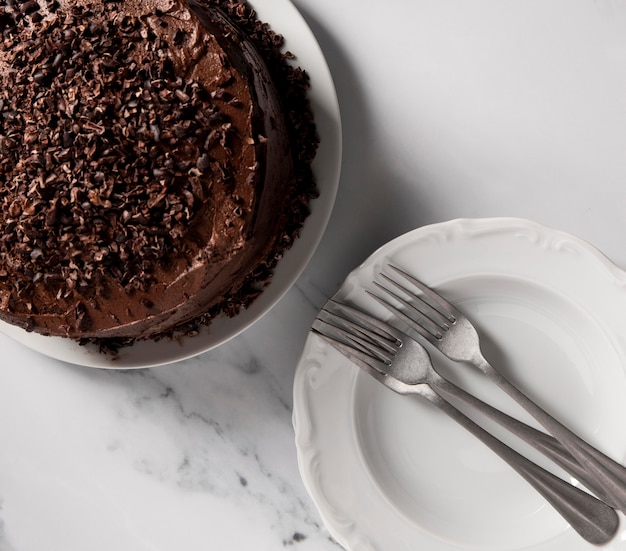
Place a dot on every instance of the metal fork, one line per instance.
(421, 364)
(429, 315)
(422, 367)
(404, 366)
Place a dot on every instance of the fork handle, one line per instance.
(541, 441)
(607, 473)
(593, 519)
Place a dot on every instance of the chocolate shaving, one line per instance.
(80, 124)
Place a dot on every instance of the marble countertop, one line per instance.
(449, 109)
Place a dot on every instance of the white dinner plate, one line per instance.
(285, 19)
(390, 472)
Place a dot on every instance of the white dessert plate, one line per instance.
(283, 18)
(390, 472)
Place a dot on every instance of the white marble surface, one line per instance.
(450, 109)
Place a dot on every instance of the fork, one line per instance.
(404, 366)
(541, 441)
(432, 317)
(423, 365)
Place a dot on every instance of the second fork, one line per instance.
(430, 316)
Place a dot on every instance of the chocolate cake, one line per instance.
(154, 164)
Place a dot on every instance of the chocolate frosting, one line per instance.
(181, 210)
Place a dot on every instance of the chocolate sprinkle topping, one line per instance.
(74, 168)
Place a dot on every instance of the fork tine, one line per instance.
(366, 340)
(418, 319)
(432, 298)
(379, 327)
(362, 359)
(363, 365)
(418, 302)
(412, 324)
